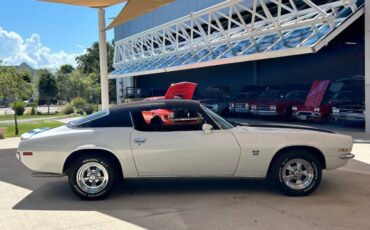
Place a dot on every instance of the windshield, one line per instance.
(219, 120)
(242, 96)
(343, 95)
(88, 118)
(296, 95)
(271, 94)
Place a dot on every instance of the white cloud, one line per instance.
(80, 46)
(14, 50)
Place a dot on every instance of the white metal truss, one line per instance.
(235, 31)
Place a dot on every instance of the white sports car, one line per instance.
(179, 138)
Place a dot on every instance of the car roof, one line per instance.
(156, 103)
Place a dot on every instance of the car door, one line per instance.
(185, 149)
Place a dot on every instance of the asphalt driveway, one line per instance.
(341, 202)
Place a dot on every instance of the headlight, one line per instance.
(335, 110)
(317, 109)
(254, 106)
(247, 106)
(231, 105)
(171, 116)
(294, 108)
(272, 107)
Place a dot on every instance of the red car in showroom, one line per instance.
(322, 111)
(181, 90)
(277, 103)
(323, 97)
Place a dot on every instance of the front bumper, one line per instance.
(347, 156)
(264, 112)
(241, 110)
(350, 117)
(307, 116)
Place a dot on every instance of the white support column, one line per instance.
(103, 60)
(367, 65)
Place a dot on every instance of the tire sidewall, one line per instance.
(73, 181)
(281, 162)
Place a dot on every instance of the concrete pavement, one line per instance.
(341, 202)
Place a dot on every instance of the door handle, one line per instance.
(139, 140)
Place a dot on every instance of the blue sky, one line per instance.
(58, 29)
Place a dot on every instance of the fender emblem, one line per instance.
(256, 152)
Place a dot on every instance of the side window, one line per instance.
(168, 119)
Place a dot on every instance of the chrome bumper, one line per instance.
(264, 112)
(307, 116)
(350, 117)
(241, 110)
(347, 156)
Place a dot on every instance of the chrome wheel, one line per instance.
(298, 174)
(92, 177)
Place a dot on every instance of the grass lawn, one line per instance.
(23, 117)
(25, 127)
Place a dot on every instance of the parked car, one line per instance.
(97, 150)
(181, 90)
(217, 99)
(240, 104)
(322, 99)
(323, 111)
(277, 104)
(354, 113)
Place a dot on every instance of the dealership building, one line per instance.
(239, 43)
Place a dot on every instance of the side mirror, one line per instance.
(207, 128)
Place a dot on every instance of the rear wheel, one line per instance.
(92, 178)
(296, 172)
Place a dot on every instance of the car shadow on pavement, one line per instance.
(139, 201)
(139, 194)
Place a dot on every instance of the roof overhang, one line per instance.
(170, 47)
(136, 8)
(131, 10)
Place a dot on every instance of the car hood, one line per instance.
(280, 128)
(184, 90)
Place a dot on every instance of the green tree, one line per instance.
(88, 63)
(47, 86)
(26, 75)
(14, 88)
(62, 76)
(65, 69)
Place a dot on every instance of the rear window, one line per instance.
(104, 119)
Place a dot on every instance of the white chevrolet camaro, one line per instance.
(179, 138)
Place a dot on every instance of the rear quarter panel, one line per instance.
(52, 148)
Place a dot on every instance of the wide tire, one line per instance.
(92, 177)
(296, 172)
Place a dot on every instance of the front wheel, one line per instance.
(92, 178)
(297, 173)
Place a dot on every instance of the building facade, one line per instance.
(341, 56)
